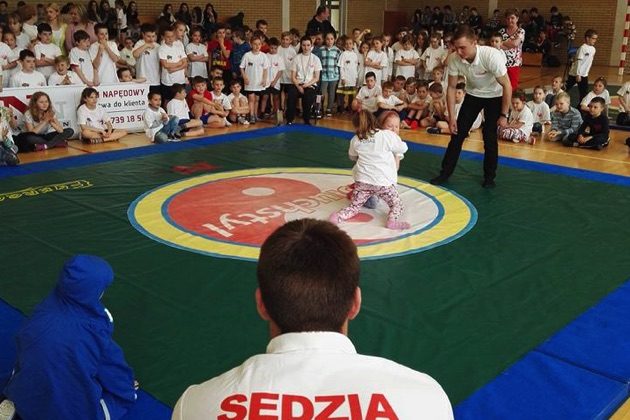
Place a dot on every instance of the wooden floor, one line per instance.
(615, 159)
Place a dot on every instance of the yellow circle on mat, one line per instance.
(456, 217)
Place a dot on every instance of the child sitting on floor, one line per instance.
(442, 126)
(599, 90)
(178, 107)
(96, 125)
(540, 110)
(437, 108)
(594, 130)
(239, 105)
(521, 121)
(158, 126)
(565, 120)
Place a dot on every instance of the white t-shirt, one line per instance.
(583, 61)
(348, 69)
(172, 54)
(286, 372)
(377, 58)
(481, 75)
(276, 65)
(253, 66)
(433, 57)
(178, 108)
(540, 111)
(287, 54)
(95, 118)
(526, 117)
(387, 71)
(107, 69)
(589, 96)
(375, 164)
(30, 30)
(127, 55)
(12, 57)
(121, 17)
(28, 119)
(55, 79)
(222, 100)
(235, 99)
(305, 67)
(624, 92)
(407, 71)
(197, 68)
(21, 79)
(153, 121)
(46, 51)
(369, 97)
(23, 40)
(392, 100)
(148, 64)
(82, 59)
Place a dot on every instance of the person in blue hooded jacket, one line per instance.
(68, 366)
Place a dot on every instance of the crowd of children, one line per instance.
(316, 75)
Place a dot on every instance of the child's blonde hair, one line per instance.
(364, 124)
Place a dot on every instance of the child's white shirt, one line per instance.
(178, 108)
(432, 58)
(153, 121)
(541, 111)
(369, 97)
(94, 118)
(148, 64)
(253, 66)
(407, 71)
(375, 162)
(107, 69)
(127, 55)
(526, 117)
(377, 58)
(21, 79)
(223, 100)
(55, 79)
(13, 57)
(589, 96)
(232, 98)
(197, 68)
(392, 100)
(276, 65)
(583, 61)
(305, 67)
(387, 71)
(82, 59)
(47, 51)
(287, 54)
(624, 92)
(30, 30)
(172, 54)
(23, 40)
(348, 68)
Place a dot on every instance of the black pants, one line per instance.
(595, 141)
(467, 115)
(26, 141)
(308, 99)
(582, 85)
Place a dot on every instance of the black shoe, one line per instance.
(488, 183)
(439, 180)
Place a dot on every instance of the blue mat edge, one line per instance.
(83, 160)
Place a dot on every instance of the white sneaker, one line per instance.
(7, 410)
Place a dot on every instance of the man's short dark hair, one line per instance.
(320, 10)
(308, 273)
(26, 53)
(147, 27)
(464, 31)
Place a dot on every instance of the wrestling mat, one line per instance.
(489, 291)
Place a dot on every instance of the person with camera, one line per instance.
(305, 71)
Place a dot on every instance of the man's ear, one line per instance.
(356, 304)
(260, 306)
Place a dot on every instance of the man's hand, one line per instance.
(503, 122)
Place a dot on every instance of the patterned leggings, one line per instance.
(511, 134)
(362, 192)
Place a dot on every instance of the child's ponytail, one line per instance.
(364, 124)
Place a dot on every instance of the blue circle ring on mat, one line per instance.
(230, 214)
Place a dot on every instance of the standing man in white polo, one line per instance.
(308, 291)
(488, 88)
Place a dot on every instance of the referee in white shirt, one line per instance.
(308, 291)
(488, 88)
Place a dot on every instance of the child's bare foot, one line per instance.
(397, 225)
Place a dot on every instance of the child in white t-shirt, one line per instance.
(599, 90)
(197, 55)
(433, 56)
(376, 60)
(28, 76)
(63, 76)
(221, 99)
(158, 126)
(348, 74)
(45, 51)
(173, 61)
(406, 58)
(22, 39)
(126, 54)
(520, 123)
(624, 97)
(178, 107)
(96, 125)
(105, 55)
(80, 59)
(367, 97)
(288, 53)
(255, 71)
(238, 103)
(146, 54)
(10, 61)
(556, 88)
(125, 76)
(540, 110)
(276, 69)
(388, 101)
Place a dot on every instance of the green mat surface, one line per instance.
(545, 248)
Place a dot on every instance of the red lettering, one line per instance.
(334, 402)
(288, 402)
(231, 405)
(15, 103)
(380, 408)
(355, 407)
(257, 405)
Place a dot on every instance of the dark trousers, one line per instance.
(26, 141)
(595, 141)
(582, 85)
(308, 99)
(468, 113)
